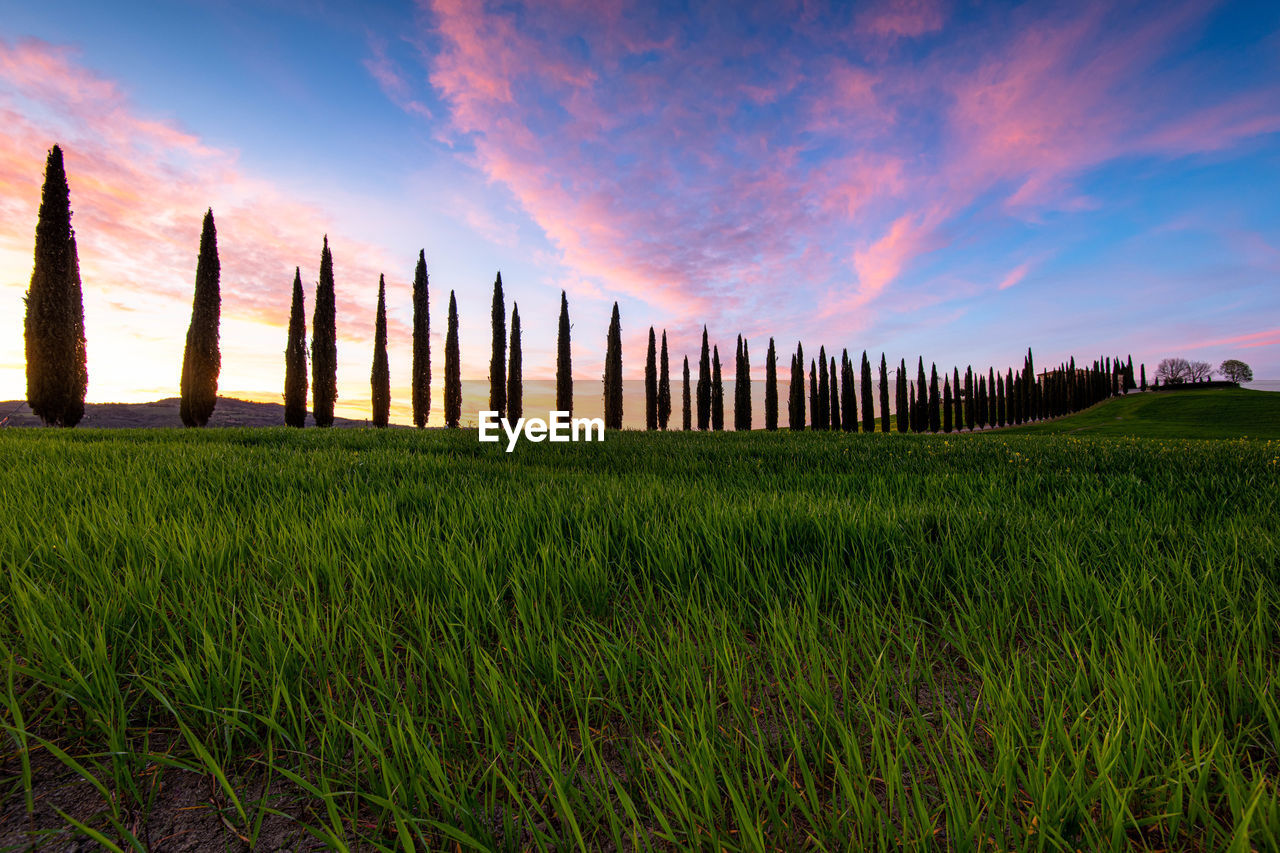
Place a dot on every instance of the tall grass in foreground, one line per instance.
(737, 642)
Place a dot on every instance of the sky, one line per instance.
(952, 180)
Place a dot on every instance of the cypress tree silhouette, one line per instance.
(515, 369)
(900, 398)
(821, 411)
(704, 386)
(452, 368)
(982, 401)
(1008, 397)
(688, 404)
(717, 391)
(651, 383)
(1143, 386)
(796, 417)
(868, 404)
(324, 343)
(946, 404)
(970, 401)
(664, 386)
(935, 401)
(498, 359)
(420, 380)
(201, 360)
(921, 422)
(1000, 406)
(771, 388)
(992, 401)
(834, 405)
(884, 395)
(380, 378)
(613, 373)
(295, 359)
(957, 418)
(746, 384)
(813, 394)
(849, 400)
(564, 366)
(57, 370)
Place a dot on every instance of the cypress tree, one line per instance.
(420, 381)
(1008, 397)
(201, 361)
(900, 404)
(922, 399)
(380, 376)
(868, 405)
(946, 404)
(515, 369)
(717, 391)
(745, 384)
(935, 401)
(1143, 386)
(982, 401)
(688, 403)
(1000, 399)
(57, 369)
(704, 384)
(651, 383)
(834, 405)
(957, 418)
(796, 415)
(498, 360)
(970, 403)
(452, 368)
(664, 386)
(613, 373)
(813, 394)
(884, 395)
(295, 359)
(737, 385)
(822, 411)
(991, 391)
(771, 388)
(324, 343)
(849, 411)
(564, 366)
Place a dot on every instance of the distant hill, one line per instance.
(1224, 413)
(164, 413)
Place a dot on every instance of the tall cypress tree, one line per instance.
(57, 369)
(884, 395)
(324, 343)
(946, 404)
(834, 405)
(498, 358)
(1008, 397)
(380, 377)
(796, 419)
(687, 394)
(613, 373)
(922, 399)
(704, 384)
(849, 412)
(717, 391)
(935, 401)
(201, 361)
(900, 402)
(958, 416)
(771, 388)
(970, 403)
(664, 386)
(420, 380)
(813, 394)
(515, 369)
(1000, 399)
(651, 383)
(564, 366)
(821, 412)
(991, 391)
(1143, 386)
(452, 368)
(982, 401)
(746, 384)
(295, 359)
(868, 405)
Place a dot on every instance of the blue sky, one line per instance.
(953, 180)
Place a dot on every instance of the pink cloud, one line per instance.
(1271, 337)
(1015, 276)
(904, 18)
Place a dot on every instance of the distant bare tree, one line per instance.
(1173, 371)
(1236, 370)
(1201, 371)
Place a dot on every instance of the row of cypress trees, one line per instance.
(57, 375)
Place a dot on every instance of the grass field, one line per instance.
(1232, 413)
(725, 642)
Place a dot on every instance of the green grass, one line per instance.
(734, 641)
(1220, 413)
